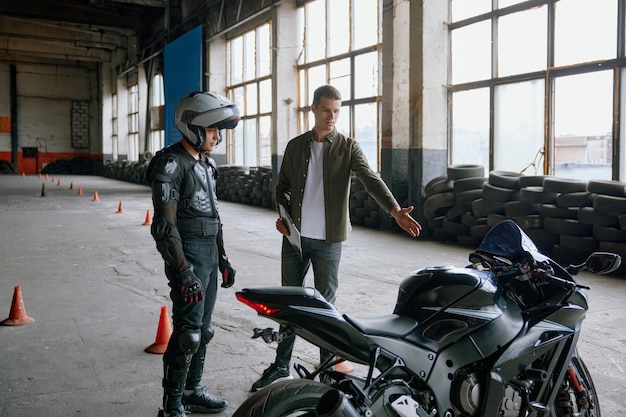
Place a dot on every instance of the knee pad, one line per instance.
(189, 341)
(207, 334)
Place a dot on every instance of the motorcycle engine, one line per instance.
(386, 399)
(469, 394)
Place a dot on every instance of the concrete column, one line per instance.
(122, 119)
(216, 81)
(144, 100)
(285, 51)
(395, 120)
(106, 109)
(414, 118)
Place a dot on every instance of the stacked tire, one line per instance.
(609, 202)
(568, 219)
(241, 184)
(364, 211)
(571, 236)
(75, 166)
(448, 202)
(124, 170)
(6, 167)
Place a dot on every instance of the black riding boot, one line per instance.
(175, 373)
(196, 398)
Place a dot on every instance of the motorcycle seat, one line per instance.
(392, 325)
(289, 291)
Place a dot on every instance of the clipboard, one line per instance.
(294, 233)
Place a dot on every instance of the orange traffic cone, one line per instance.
(148, 221)
(71, 185)
(17, 316)
(54, 180)
(95, 196)
(164, 331)
(46, 177)
(80, 191)
(23, 174)
(120, 208)
(58, 183)
(40, 175)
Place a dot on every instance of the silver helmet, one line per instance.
(202, 109)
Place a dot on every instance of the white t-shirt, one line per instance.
(313, 214)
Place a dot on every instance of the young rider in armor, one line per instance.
(188, 235)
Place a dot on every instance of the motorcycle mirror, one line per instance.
(602, 262)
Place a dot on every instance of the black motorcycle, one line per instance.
(494, 339)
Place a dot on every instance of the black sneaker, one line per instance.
(176, 413)
(201, 401)
(270, 375)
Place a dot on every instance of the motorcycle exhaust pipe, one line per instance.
(335, 404)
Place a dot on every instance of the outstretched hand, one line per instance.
(405, 221)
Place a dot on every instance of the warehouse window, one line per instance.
(533, 86)
(341, 46)
(157, 133)
(133, 123)
(249, 85)
(114, 136)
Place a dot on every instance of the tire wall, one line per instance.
(567, 219)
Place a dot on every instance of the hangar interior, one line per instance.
(452, 101)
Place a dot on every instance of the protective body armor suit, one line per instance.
(185, 208)
(188, 235)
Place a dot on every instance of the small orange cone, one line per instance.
(40, 175)
(58, 183)
(80, 190)
(54, 179)
(95, 196)
(17, 316)
(164, 331)
(46, 177)
(148, 221)
(71, 185)
(23, 174)
(120, 208)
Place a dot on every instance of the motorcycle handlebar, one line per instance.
(538, 275)
(566, 284)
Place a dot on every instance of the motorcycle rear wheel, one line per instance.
(295, 398)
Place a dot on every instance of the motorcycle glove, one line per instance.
(190, 286)
(228, 272)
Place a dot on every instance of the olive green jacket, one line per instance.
(342, 156)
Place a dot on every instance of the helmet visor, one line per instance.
(221, 118)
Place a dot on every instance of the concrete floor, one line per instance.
(93, 281)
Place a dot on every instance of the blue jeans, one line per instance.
(325, 259)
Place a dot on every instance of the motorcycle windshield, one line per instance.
(507, 240)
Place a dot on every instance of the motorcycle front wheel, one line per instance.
(579, 397)
(295, 398)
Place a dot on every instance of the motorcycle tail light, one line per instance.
(258, 307)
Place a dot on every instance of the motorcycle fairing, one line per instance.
(314, 319)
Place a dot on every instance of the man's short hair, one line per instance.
(327, 91)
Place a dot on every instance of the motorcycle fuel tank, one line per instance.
(448, 303)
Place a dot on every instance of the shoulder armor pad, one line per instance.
(163, 167)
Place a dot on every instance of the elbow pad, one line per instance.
(168, 241)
